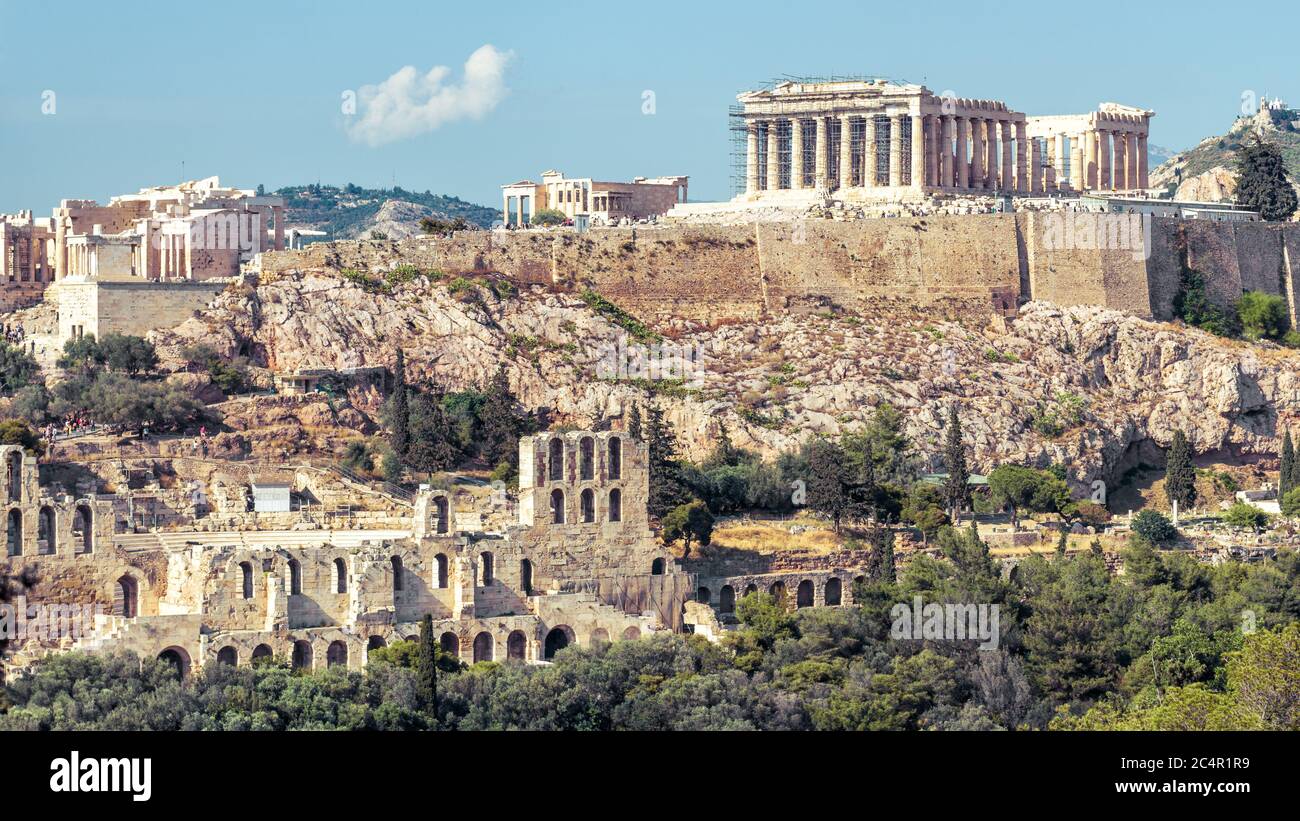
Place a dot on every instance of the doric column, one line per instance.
(1008, 165)
(1120, 169)
(896, 151)
(846, 151)
(1104, 179)
(822, 144)
(751, 157)
(773, 157)
(796, 153)
(978, 154)
(918, 152)
(963, 168)
(869, 150)
(1131, 153)
(1059, 163)
(1090, 159)
(1077, 171)
(946, 178)
(1049, 175)
(991, 163)
(1022, 158)
(1035, 167)
(1143, 182)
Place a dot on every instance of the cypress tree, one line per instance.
(398, 412)
(666, 490)
(426, 668)
(956, 492)
(1180, 476)
(433, 441)
(828, 480)
(501, 422)
(1263, 185)
(884, 538)
(1062, 544)
(1287, 469)
(634, 422)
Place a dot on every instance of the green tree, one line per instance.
(923, 510)
(1263, 316)
(1263, 676)
(502, 422)
(1153, 527)
(666, 488)
(427, 668)
(1020, 488)
(1262, 183)
(828, 480)
(1290, 503)
(634, 422)
(1180, 475)
(398, 414)
(691, 522)
(882, 554)
(1245, 516)
(128, 354)
(17, 369)
(1063, 543)
(956, 491)
(432, 444)
(1286, 468)
(547, 216)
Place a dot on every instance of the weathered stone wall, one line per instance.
(101, 307)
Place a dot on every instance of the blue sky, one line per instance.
(252, 91)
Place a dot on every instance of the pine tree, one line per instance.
(883, 554)
(426, 668)
(666, 488)
(1287, 469)
(828, 481)
(501, 422)
(1262, 184)
(1180, 476)
(433, 441)
(397, 411)
(634, 422)
(956, 491)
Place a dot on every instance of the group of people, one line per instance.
(13, 334)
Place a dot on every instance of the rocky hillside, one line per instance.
(1208, 171)
(1097, 390)
(351, 211)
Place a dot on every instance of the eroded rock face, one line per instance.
(1131, 382)
(1216, 185)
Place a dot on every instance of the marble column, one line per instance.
(918, 152)
(963, 149)
(846, 151)
(1035, 167)
(936, 152)
(1049, 175)
(896, 150)
(991, 145)
(1120, 169)
(946, 179)
(751, 157)
(1131, 154)
(1090, 159)
(1077, 171)
(823, 142)
(1104, 181)
(796, 153)
(978, 153)
(1008, 165)
(1143, 182)
(869, 151)
(931, 155)
(773, 157)
(1022, 158)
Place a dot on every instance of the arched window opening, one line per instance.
(261, 655)
(555, 459)
(587, 458)
(14, 463)
(526, 577)
(616, 505)
(228, 655)
(397, 573)
(727, 599)
(14, 532)
(485, 569)
(750, 588)
(632, 633)
(450, 644)
(557, 506)
(46, 538)
(703, 595)
(517, 646)
(336, 655)
(440, 523)
(340, 576)
(832, 592)
(83, 534)
(441, 561)
(375, 643)
(295, 577)
(657, 567)
(301, 658)
(599, 636)
(777, 590)
(803, 596)
(483, 647)
(246, 579)
(178, 659)
(126, 597)
(558, 639)
(615, 458)
(588, 505)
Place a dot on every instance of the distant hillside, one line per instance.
(1209, 171)
(351, 211)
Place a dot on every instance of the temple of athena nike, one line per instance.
(875, 139)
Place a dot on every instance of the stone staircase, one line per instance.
(253, 538)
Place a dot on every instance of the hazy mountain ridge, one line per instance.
(351, 211)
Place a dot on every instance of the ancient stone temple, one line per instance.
(877, 139)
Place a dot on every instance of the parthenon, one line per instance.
(876, 138)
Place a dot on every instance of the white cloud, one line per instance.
(408, 104)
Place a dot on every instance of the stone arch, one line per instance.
(526, 576)
(47, 540)
(126, 596)
(517, 645)
(777, 589)
(859, 579)
(557, 506)
(483, 647)
(14, 471)
(450, 643)
(246, 579)
(440, 515)
(336, 655)
(632, 633)
(485, 569)
(440, 577)
(375, 643)
(295, 577)
(178, 658)
(559, 637)
(657, 566)
(599, 636)
(555, 459)
(83, 529)
(587, 459)
(587, 505)
(615, 505)
(396, 562)
(727, 599)
(340, 576)
(615, 458)
(750, 588)
(833, 593)
(703, 595)
(261, 655)
(300, 658)
(803, 594)
(229, 655)
(14, 532)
